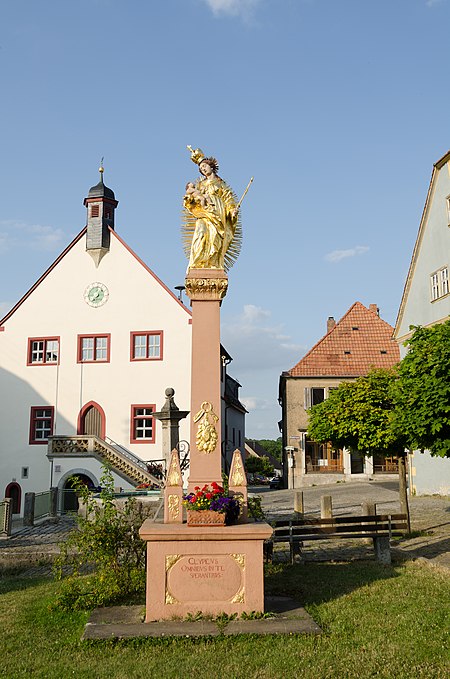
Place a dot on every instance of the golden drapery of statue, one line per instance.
(212, 233)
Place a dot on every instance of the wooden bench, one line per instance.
(380, 527)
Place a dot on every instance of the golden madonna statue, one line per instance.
(212, 231)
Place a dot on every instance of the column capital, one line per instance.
(206, 284)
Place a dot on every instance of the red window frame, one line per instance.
(45, 340)
(80, 339)
(135, 417)
(146, 334)
(34, 419)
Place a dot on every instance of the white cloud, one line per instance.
(257, 344)
(254, 403)
(261, 351)
(337, 255)
(242, 8)
(14, 233)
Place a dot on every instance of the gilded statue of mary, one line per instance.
(212, 231)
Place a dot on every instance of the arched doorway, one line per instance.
(14, 491)
(70, 499)
(92, 420)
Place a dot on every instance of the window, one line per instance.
(142, 424)
(43, 350)
(439, 283)
(93, 348)
(24, 472)
(95, 210)
(313, 396)
(147, 345)
(41, 424)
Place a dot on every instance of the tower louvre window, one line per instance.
(95, 210)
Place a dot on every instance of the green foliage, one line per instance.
(259, 465)
(423, 390)
(255, 511)
(359, 416)
(107, 545)
(273, 447)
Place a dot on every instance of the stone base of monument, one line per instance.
(204, 569)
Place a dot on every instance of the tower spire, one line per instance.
(101, 204)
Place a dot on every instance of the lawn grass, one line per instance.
(378, 621)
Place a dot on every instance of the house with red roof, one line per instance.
(360, 341)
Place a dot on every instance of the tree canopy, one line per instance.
(273, 447)
(359, 415)
(259, 465)
(422, 391)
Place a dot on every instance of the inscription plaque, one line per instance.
(201, 578)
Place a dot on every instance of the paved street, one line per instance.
(430, 515)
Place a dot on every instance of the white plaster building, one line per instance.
(85, 357)
(426, 301)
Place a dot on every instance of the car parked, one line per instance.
(275, 483)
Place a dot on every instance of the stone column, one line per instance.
(170, 416)
(206, 288)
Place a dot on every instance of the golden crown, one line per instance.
(197, 155)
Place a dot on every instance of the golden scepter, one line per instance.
(244, 194)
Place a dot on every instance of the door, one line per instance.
(92, 420)
(14, 491)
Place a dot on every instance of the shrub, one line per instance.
(106, 545)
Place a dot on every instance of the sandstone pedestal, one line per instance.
(212, 570)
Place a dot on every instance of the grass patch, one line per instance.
(377, 621)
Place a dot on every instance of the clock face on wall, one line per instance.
(96, 294)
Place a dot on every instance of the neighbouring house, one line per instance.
(426, 301)
(360, 341)
(85, 358)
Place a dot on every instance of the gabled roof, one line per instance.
(62, 255)
(360, 341)
(436, 167)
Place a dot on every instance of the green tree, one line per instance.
(271, 446)
(359, 416)
(259, 465)
(422, 392)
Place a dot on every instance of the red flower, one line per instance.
(208, 496)
(214, 484)
(197, 488)
(193, 499)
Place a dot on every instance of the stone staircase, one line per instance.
(122, 461)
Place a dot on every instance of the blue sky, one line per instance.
(339, 108)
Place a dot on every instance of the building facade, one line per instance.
(85, 358)
(360, 341)
(426, 301)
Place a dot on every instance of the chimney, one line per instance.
(374, 308)
(330, 323)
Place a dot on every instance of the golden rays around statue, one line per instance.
(212, 231)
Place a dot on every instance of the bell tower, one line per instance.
(101, 204)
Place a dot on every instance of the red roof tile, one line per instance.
(361, 340)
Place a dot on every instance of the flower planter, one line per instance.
(205, 517)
